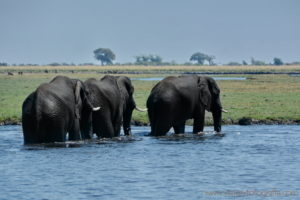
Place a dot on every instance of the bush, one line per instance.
(3, 64)
(257, 62)
(277, 61)
(234, 64)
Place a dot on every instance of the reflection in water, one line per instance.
(189, 137)
(76, 144)
(54, 145)
(184, 166)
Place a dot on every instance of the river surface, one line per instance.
(245, 162)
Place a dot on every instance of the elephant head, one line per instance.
(82, 99)
(127, 89)
(210, 98)
(84, 108)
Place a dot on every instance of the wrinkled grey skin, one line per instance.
(114, 95)
(54, 110)
(175, 99)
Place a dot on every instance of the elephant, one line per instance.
(54, 109)
(175, 99)
(114, 95)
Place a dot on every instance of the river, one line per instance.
(245, 162)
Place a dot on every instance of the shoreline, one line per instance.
(243, 122)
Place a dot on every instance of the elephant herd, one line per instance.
(69, 107)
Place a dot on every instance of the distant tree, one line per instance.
(104, 55)
(210, 59)
(277, 61)
(200, 58)
(148, 60)
(155, 59)
(86, 64)
(141, 60)
(188, 63)
(234, 64)
(245, 63)
(54, 64)
(3, 64)
(173, 62)
(257, 62)
(294, 63)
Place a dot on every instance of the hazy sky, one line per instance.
(44, 31)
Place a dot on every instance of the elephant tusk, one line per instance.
(96, 109)
(225, 111)
(140, 109)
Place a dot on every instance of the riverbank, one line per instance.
(242, 121)
(284, 69)
(264, 98)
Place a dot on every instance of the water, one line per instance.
(216, 78)
(246, 162)
(295, 75)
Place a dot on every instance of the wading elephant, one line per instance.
(114, 95)
(54, 110)
(175, 99)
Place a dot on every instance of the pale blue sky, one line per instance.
(40, 31)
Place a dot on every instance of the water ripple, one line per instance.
(183, 166)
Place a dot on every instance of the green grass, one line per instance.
(263, 97)
(260, 97)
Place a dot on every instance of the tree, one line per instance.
(155, 59)
(210, 59)
(148, 60)
(200, 58)
(3, 64)
(277, 61)
(105, 55)
(141, 60)
(233, 63)
(257, 62)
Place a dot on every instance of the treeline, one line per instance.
(107, 56)
(150, 62)
(50, 64)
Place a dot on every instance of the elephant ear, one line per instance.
(129, 87)
(205, 93)
(127, 83)
(78, 101)
(213, 87)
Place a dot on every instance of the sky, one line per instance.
(43, 31)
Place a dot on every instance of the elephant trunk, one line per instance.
(126, 121)
(86, 124)
(217, 117)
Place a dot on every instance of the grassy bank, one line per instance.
(263, 98)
